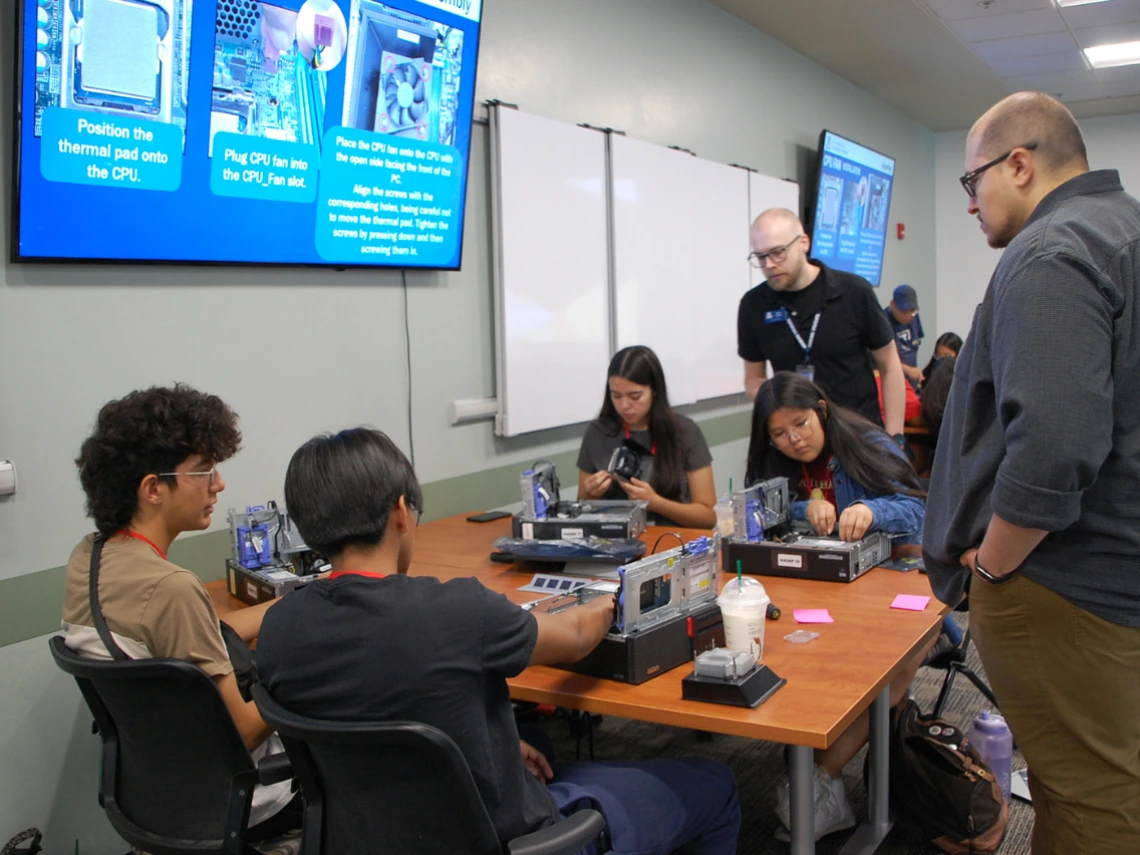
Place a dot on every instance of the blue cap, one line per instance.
(905, 299)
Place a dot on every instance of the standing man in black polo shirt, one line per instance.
(825, 324)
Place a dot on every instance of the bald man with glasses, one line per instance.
(1035, 497)
(822, 323)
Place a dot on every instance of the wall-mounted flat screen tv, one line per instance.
(852, 203)
(300, 132)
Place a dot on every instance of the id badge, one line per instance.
(807, 372)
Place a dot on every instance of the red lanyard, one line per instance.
(652, 442)
(126, 532)
(367, 573)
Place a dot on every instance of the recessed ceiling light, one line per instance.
(1107, 56)
(1078, 2)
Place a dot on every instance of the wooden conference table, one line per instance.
(831, 680)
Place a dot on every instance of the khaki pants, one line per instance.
(1069, 685)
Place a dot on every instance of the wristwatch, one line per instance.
(900, 440)
(990, 577)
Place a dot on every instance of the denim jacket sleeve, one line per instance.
(895, 513)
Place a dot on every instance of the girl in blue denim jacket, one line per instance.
(841, 469)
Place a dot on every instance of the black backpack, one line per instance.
(940, 787)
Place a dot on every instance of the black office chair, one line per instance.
(176, 777)
(401, 788)
(953, 661)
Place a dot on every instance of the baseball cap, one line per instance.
(906, 299)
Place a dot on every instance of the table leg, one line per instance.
(870, 834)
(802, 802)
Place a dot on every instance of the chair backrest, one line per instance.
(397, 787)
(177, 776)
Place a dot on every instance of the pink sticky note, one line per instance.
(812, 616)
(910, 602)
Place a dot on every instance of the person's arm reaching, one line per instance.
(755, 373)
(568, 636)
(247, 622)
(894, 387)
(697, 513)
(250, 725)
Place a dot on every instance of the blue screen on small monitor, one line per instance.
(301, 132)
(853, 200)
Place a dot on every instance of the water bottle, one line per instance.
(994, 742)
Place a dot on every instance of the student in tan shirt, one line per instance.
(150, 472)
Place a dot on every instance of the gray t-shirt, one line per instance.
(602, 438)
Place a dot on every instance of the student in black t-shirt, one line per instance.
(675, 467)
(370, 643)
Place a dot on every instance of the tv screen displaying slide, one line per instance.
(300, 132)
(853, 199)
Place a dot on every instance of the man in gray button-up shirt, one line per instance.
(1035, 496)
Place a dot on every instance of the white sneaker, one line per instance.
(832, 810)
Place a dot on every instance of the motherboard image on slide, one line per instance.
(117, 57)
(402, 74)
(270, 68)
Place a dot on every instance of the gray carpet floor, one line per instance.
(759, 765)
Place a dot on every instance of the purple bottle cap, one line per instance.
(990, 723)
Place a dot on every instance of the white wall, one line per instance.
(298, 351)
(965, 261)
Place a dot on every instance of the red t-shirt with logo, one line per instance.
(817, 476)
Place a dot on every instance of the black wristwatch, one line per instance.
(900, 439)
(990, 577)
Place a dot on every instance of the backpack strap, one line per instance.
(93, 592)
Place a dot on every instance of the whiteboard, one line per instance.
(765, 193)
(680, 244)
(654, 255)
(551, 258)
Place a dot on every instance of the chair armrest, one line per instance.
(563, 838)
(274, 768)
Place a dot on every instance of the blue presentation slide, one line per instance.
(325, 132)
(850, 228)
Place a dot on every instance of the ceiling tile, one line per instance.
(1108, 35)
(1072, 61)
(1102, 14)
(1007, 26)
(1069, 86)
(1122, 88)
(957, 10)
(1023, 46)
(1118, 74)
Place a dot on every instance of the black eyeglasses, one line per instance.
(970, 179)
(776, 256)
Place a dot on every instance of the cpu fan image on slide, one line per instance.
(403, 102)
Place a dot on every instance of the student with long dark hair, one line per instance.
(840, 467)
(844, 470)
(946, 347)
(675, 467)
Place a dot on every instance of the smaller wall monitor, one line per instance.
(852, 203)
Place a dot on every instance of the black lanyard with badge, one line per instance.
(805, 369)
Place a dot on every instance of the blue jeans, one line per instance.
(655, 807)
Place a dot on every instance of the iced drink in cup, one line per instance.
(744, 606)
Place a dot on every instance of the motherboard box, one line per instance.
(804, 557)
